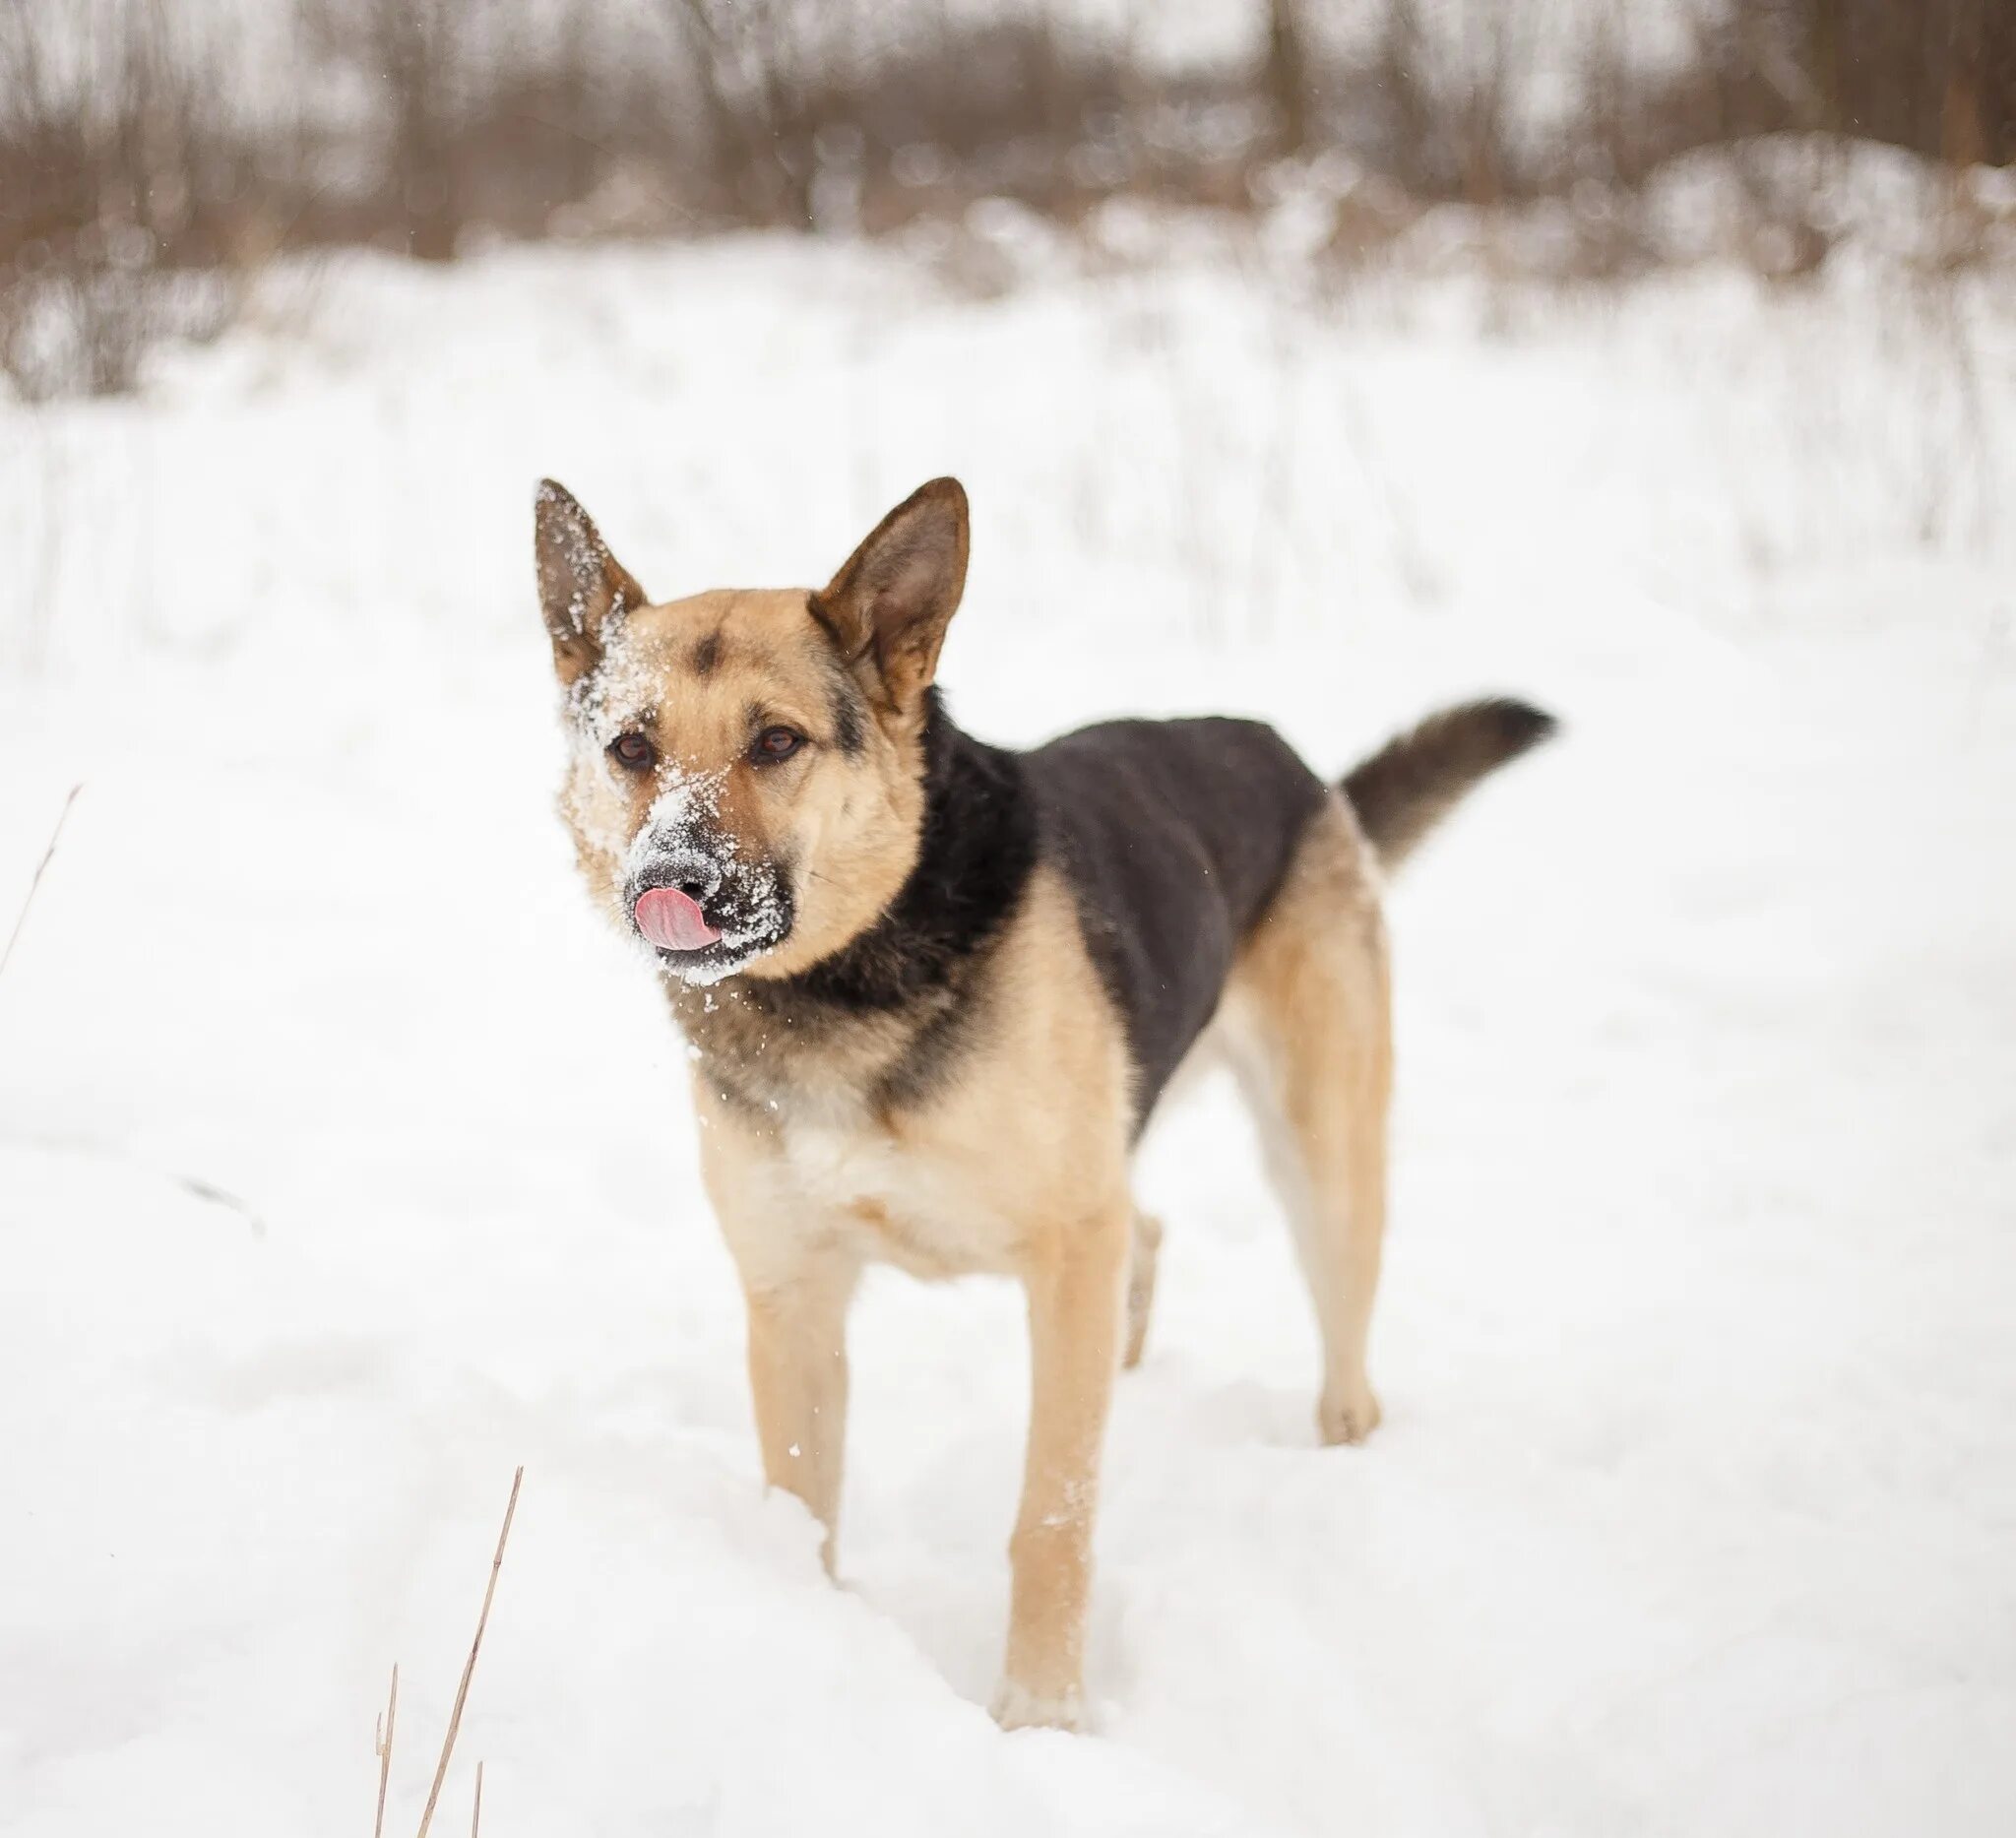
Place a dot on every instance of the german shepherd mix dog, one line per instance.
(933, 989)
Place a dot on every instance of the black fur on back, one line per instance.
(1175, 836)
(1172, 837)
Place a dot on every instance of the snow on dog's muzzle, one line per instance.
(673, 920)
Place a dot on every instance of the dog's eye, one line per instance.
(633, 750)
(775, 743)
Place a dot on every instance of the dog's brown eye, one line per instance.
(633, 750)
(775, 743)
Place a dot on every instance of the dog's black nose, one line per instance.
(696, 876)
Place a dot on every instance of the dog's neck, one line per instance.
(879, 1019)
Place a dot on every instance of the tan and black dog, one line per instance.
(934, 988)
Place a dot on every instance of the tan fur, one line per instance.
(1019, 1166)
(950, 1191)
(943, 1191)
(1312, 987)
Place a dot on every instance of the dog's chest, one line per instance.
(919, 1206)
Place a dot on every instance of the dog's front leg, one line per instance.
(1076, 1284)
(797, 1379)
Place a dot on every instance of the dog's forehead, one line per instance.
(727, 647)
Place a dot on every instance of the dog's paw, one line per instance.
(1348, 1416)
(1017, 1707)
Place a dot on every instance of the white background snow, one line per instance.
(1693, 1509)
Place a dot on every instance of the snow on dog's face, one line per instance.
(743, 781)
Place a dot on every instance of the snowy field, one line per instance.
(344, 1164)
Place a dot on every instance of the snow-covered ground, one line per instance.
(344, 1162)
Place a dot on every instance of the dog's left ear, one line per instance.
(888, 607)
(584, 591)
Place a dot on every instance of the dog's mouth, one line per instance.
(702, 939)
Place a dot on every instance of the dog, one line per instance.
(932, 990)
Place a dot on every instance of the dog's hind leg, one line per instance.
(1319, 1074)
(1146, 1244)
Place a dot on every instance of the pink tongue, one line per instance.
(672, 921)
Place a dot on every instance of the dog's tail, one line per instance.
(1417, 778)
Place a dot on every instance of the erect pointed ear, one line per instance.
(888, 607)
(584, 591)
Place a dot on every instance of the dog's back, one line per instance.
(1175, 836)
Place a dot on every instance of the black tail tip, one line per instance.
(1516, 727)
(1416, 779)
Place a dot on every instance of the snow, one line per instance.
(1692, 1508)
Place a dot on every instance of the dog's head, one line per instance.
(745, 781)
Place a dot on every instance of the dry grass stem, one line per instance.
(469, 1669)
(384, 1751)
(42, 868)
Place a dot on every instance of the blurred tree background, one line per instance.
(154, 157)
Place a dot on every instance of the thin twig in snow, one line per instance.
(475, 1818)
(41, 867)
(215, 1195)
(469, 1669)
(384, 1748)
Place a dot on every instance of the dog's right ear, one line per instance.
(584, 591)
